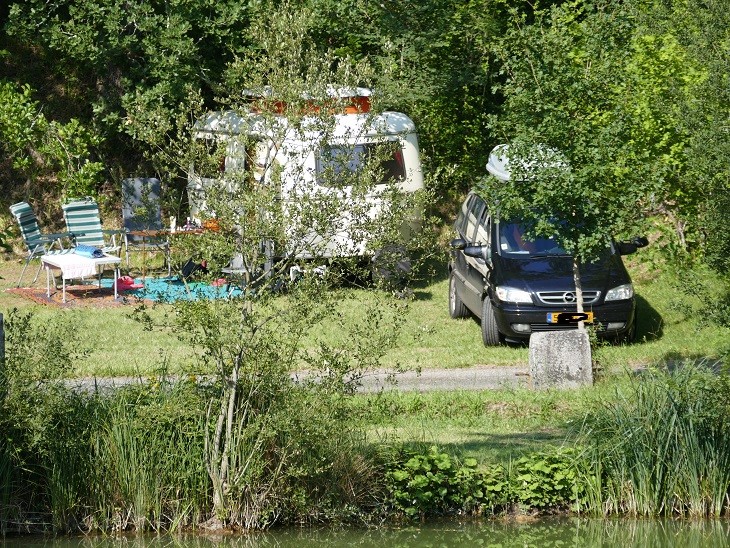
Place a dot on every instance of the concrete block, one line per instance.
(560, 359)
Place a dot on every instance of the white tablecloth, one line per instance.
(74, 266)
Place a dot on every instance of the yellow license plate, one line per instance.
(569, 318)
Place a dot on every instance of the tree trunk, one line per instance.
(578, 291)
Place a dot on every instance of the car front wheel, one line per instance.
(490, 333)
(457, 309)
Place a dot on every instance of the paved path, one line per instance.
(471, 378)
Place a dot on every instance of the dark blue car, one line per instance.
(517, 286)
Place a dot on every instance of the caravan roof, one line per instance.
(225, 123)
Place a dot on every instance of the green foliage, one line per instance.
(578, 175)
(435, 66)
(661, 447)
(436, 483)
(633, 93)
(137, 458)
(6, 478)
(45, 425)
(713, 295)
(41, 147)
(147, 450)
(548, 480)
(37, 351)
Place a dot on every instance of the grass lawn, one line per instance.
(492, 426)
(119, 346)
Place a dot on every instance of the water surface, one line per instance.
(524, 533)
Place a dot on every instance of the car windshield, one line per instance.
(514, 243)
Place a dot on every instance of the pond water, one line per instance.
(527, 533)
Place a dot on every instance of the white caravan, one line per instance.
(302, 158)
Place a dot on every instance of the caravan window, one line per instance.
(336, 164)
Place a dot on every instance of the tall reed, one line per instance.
(300, 461)
(149, 460)
(6, 469)
(662, 447)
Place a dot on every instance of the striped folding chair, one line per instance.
(84, 225)
(37, 243)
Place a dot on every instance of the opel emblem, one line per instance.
(569, 297)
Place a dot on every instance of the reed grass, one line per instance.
(134, 460)
(6, 471)
(662, 447)
(149, 454)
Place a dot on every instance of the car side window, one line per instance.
(461, 219)
(483, 228)
(475, 212)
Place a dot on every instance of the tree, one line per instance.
(41, 148)
(274, 324)
(432, 52)
(584, 176)
(124, 70)
(699, 98)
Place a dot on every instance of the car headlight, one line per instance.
(512, 295)
(620, 293)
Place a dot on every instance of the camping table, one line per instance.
(77, 266)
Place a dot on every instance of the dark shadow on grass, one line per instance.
(428, 273)
(512, 444)
(650, 322)
(502, 446)
(676, 360)
(422, 296)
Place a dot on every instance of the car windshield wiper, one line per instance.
(542, 254)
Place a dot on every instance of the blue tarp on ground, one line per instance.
(172, 289)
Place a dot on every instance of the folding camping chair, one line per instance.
(142, 218)
(37, 243)
(84, 225)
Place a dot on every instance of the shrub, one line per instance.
(436, 483)
(547, 480)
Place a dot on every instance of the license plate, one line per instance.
(569, 318)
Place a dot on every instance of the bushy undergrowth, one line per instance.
(660, 447)
(134, 458)
(663, 446)
(137, 458)
(432, 483)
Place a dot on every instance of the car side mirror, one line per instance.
(627, 248)
(640, 241)
(458, 244)
(479, 252)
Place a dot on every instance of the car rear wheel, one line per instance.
(457, 309)
(490, 333)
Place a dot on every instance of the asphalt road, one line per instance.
(472, 378)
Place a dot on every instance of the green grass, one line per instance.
(118, 345)
(491, 426)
